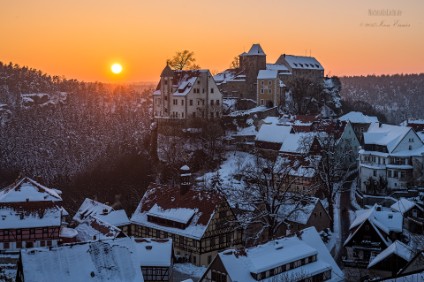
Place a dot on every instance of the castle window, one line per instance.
(217, 102)
(191, 102)
(211, 90)
(211, 102)
(182, 102)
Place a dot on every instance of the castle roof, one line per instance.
(256, 50)
(300, 62)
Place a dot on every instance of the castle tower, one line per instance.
(166, 88)
(251, 63)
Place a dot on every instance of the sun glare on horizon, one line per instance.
(116, 68)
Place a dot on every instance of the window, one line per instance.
(374, 173)
(191, 102)
(211, 102)
(209, 259)
(411, 140)
(182, 102)
(6, 245)
(211, 90)
(262, 101)
(175, 101)
(182, 115)
(269, 91)
(19, 245)
(218, 277)
(262, 82)
(269, 82)
(211, 114)
(49, 243)
(217, 102)
(262, 91)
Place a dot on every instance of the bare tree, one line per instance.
(332, 169)
(235, 64)
(306, 95)
(184, 60)
(268, 198)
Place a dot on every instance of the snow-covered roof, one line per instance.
(93, 228)
(66, 232)
(102, 211)
(225, 76)
(182, 215)
(407, 278)
(277, 67)
(301, 62)
(108, 260)
(14, 218)
(385, 220)
(267, 74)
(28, 190)
(397, 248)
(154, 252)
(385, 135)
(239, 264)
(167, 202)
(297, 143)
(403, 205)
(299, 211)
(358, 117)
(256, 49)
(273, 133)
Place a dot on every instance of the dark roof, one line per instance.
(169, 197)
(167, 71)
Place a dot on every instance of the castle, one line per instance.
(263, 82)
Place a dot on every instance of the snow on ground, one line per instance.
(235, 163)
(337, 224)
(353, 202)
(190, 269)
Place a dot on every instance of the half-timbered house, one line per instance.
(30, 215)
(199, 222)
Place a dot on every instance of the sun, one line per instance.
(116, 68)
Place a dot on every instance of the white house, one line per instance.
(297, 258)
(391, 159)
(186, 94)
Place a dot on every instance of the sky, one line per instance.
(82, 38)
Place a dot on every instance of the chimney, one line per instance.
(185, 176)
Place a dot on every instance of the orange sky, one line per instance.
(82, 38)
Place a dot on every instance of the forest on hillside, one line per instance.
(73, 135)
(397, 97)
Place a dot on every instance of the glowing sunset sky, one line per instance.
(82, 38)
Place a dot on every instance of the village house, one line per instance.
(391, 159)
(372, 231)
(108, 260)
(413, 213)
(270, 137)
(186, 94)
(414, 269)
(156, 259)
(90, 209)
(200, 222)
(31, 215)
(360, 123)
(297, 258)
(92, 228)
(391, 260)
(306, 213)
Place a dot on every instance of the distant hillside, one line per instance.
(398, 97)
(62, 131)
